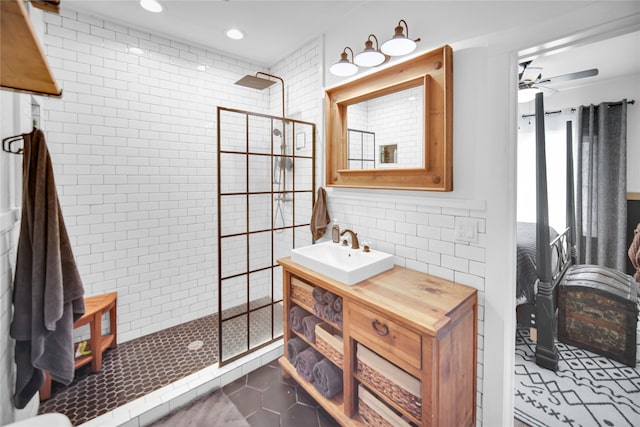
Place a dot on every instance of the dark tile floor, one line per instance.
(267, 399)
(138, 367)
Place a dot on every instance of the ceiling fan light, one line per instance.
(527, 94)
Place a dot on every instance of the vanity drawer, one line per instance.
(389, 339)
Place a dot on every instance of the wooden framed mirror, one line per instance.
(408, 108)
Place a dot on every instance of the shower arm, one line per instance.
(281, 81)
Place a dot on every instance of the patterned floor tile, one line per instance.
(269, 399)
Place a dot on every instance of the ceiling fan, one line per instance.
(532, 82)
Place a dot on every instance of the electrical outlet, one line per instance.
(466, 230)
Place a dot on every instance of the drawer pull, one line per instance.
(380, 328)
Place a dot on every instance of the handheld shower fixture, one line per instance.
(281, 164)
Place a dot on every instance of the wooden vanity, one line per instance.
(418, 332)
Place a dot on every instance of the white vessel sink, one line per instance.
(342, 263)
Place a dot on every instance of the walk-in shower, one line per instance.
(266, 182)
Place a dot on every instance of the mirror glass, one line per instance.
(387, 131)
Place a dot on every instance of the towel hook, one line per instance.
(7, 145)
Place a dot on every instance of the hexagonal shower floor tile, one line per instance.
(136, 368)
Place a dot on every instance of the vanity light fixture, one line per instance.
(399, 44)
(235, 34)
(370, 57)
(152, 5)
(344, 67)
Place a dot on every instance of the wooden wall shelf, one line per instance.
(24, 67)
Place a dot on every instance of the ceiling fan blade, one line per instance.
(546, 90)
(571, 76)
(530, 74)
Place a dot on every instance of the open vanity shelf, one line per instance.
(408, 351)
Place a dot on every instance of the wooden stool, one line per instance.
(95, 307)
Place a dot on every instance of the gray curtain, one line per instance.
(601, 187)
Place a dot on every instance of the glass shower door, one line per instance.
(266, 173)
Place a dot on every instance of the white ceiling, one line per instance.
(272, 29)
(276, 28)
(614, 58)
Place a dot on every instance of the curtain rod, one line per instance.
(546, 113)
(620, 102)
(524, 116)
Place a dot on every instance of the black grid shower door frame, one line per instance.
(247, 233)
(361, 159)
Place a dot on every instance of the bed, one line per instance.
(540, 276)
(544, 255)
(526, 258)
(527, 274)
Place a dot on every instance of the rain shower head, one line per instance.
(255, 82)
(277, 132)
(259, 83)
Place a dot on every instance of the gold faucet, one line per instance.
(354, 238)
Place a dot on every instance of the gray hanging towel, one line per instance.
(320, 217)
(47, 291)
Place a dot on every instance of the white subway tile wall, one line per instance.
(134, 146)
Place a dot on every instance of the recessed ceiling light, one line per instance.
(235, 34)
(151, 5)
